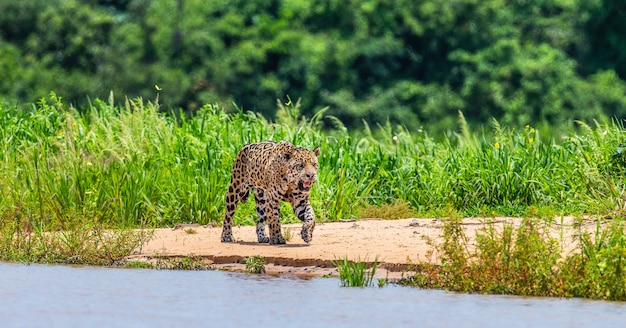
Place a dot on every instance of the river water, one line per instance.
(65, 296)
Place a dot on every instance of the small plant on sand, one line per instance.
(136, 264)
(355, 274)
(255, 264)
(287, 234)
(189, 262)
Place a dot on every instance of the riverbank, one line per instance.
(398, 244)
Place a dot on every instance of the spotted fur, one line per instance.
(275, 171)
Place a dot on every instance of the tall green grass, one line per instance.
(356, 273)
(133, 165)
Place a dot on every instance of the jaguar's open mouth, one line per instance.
(305, 185)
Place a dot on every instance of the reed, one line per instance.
(356, 273)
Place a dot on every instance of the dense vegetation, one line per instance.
(67, 176)
(415, 62)
(528, 261)
(131, 166)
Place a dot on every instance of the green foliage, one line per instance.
(599, 270)
(522, 84)
(255, 264)
(526, 260)
(81, 243)
(410, 63)
(606, 48)
(357, 273)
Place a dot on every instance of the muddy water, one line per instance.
(63, 296)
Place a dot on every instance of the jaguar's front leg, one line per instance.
(303, 210)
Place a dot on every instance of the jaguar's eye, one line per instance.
(300, 166)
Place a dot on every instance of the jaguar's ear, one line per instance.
(316, 151)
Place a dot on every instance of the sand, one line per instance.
(398, 244)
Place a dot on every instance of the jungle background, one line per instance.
(414, 63)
